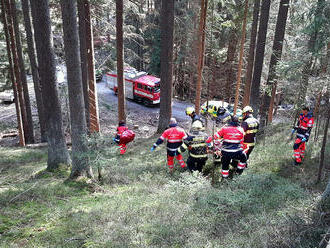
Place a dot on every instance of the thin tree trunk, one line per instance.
(93, 103)
(249, 69)
(259, 57)
(12, 76)
(201, 49)
(271, 104)
(166, 63)
(16, 68)
(29, 132)
(241, 53)
(324, 142)
(57, 150)
(83, 56)
(276, 56)
(120, 61)
(80, 161)
(34, 68)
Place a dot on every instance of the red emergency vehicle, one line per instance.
(139, 86)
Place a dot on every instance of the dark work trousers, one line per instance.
(196, 163)
(229, 156)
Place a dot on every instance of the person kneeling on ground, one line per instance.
(232, 146)
(174, 136)
(197, 148)
(123, 136)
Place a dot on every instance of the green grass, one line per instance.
(140, 205)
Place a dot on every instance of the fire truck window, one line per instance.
(149, 89)
(139, 86)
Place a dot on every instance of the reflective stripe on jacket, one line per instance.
(251, 127)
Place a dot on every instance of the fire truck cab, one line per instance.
(139, 86)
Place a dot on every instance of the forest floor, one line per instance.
(139, 204)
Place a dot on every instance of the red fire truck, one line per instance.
(139, 86)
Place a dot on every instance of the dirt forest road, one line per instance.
(146, 118)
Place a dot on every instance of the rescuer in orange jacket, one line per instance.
(232, 146)
(303, 128)
(174, 136)
(120, 129)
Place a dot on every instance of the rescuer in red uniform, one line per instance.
(120, 129)
(304, 127)
(174, 136)
(232, 146)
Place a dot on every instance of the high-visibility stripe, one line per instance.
(233, 141)
(174, 140)
(250, 144)
(198, 156)
(231, 150)
(184, 146)
(251, 131)
(304, 128)
(252, 124)
(225, 173)
(198, 145)
(161, 137)
(172, 149)
(241, 166)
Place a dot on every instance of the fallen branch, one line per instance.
(20, 194)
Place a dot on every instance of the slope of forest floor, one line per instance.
(138, 204)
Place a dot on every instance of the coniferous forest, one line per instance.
(165, 123)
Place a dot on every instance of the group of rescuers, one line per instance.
(231, 145)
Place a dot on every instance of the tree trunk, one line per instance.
(93, 103)
(241, 53)
(271, 104)
(324, 142)
(12, 76)
(16, 68)
(259, 57)
(34, 68)
(229, 64)
(29, 132)
(249, 69)
(57, 150)
(80, 161)
(201, 49)
(276, 56)
(83, 56)
(120, 61)
(166, 63)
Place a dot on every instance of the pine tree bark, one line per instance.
(249, 69)
(83, 56)
(120, 61)
(29, 132)
(201, 50)
(276, 56)
(324, 143)
(12, 76)
(80, 161)
(34, 68)
(259, 57)
(229, 64)
(92, 99)
(57, 150)
(241, 53)
(16, 67)
(166, 63)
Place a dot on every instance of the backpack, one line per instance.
(126, 137)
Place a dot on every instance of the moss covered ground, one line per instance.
(139, 204)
